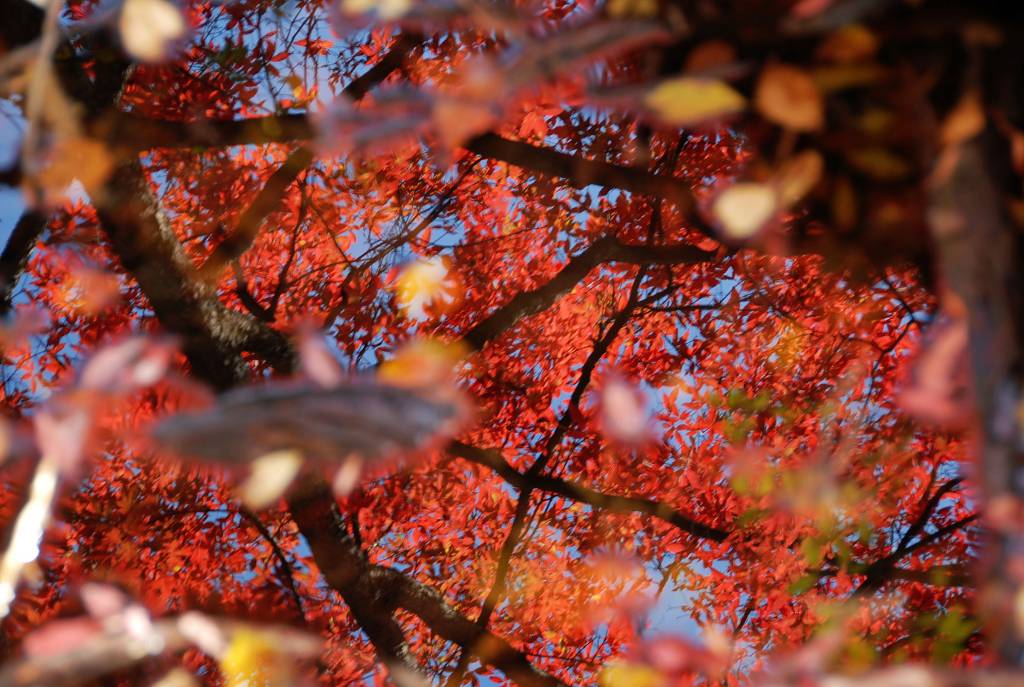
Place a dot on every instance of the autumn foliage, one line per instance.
(634, 343)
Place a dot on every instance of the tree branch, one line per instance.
(265, 203)
(373, 592)
(16, 253)
(213, 336)
(269, 197)
(133, 132)
(605, 249)
(926, 512)
(574, 491)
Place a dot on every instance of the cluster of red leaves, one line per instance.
(772, 385)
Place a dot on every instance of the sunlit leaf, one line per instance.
(938, 389)
(632, 8)
(385, 9)
(151, 28)
(744, 209)
(253, 660)
(61, 636)
(269, 476)
(23, 547)
(317, 361)
(91, 290)
(103, 601)
(422, 363)
(126, 365)
(676, 656)
(347, 476)
(623, 674)
(457, 119)
(395, 117)
(423, 284)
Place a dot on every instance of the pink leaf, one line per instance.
(938, 391)
(61, 636)
(624, 412)
(317, 361)
(127, 365)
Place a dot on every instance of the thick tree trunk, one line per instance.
(979, 252)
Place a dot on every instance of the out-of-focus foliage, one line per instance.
(471, 343)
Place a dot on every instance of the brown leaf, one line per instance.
(879, 163)
(72, 158)
(789, 97)
(364, 418)
(841, 77)
(853, 43)
(844, 204)
(797, 176)
(710, 54)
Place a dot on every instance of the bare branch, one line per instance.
(574, 491)
(605, 249)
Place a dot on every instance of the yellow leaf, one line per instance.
(745, 208)
(687, 100)
(841, 77)
(422, 362)
(789, 97)
(879, 163)
(622, 674)
(251, 660)
(875, 121)
(798, 175)
(425, 283)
